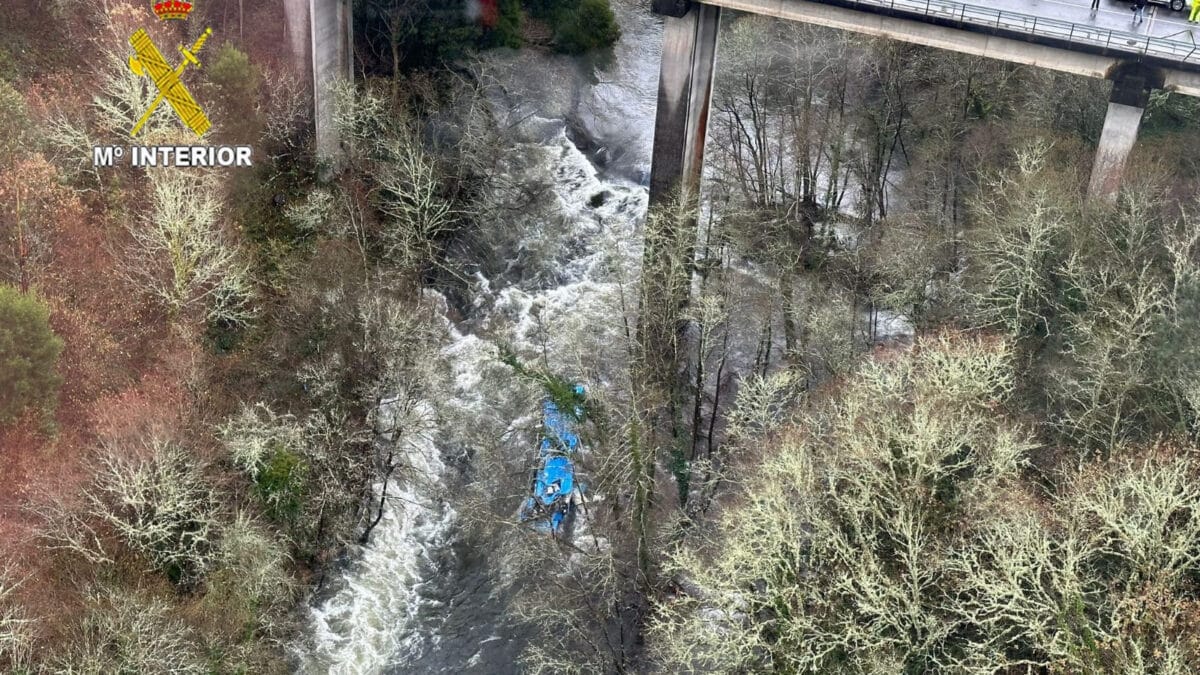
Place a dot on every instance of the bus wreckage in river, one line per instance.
(555, 491)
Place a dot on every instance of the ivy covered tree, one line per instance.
(29, 350)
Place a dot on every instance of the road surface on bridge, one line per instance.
(1158, 52)
(1112, 15)
(1164, 37)
(1163, 33)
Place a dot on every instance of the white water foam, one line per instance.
(356, 630)
(371, 621)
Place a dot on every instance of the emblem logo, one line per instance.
(172, 9)
(149, 61)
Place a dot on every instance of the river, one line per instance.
(423, 596)
(429, 594)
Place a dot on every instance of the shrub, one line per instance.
(280, 483)
(29, 350)
(124, 632)
(162, 507)
(589, 26)
(230, 70)
(14, 122)
(507, 31)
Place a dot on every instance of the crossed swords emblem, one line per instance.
(149, 61)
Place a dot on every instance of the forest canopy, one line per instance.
(894, 528)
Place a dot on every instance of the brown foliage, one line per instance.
(32, 205)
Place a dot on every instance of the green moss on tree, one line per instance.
(280, 484)
(29, 350)
(14, 122)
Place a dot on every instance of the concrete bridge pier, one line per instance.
(332, 27)
(1130, 93)
(684, 91)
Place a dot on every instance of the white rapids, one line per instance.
(369, 624)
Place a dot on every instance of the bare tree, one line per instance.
(124, 95)
(316, 471)
(248, 597)
(1095, 582)
(181, 255)
(890, 528)
(16, 628)
(1127, 317)
(1022, 229)
(837, 551)
(404, 180)
(582, 615)
(411, 196)
(130, 632)
(161, 506)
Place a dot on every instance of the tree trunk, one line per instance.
(366, 535)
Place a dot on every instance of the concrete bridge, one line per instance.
(322, 45)
(1159, 53)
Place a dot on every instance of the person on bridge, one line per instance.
(1139, 11)
(1095, 6)
(1195, 11)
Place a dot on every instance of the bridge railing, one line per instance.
(1178, 50)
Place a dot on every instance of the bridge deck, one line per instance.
(1165, 38)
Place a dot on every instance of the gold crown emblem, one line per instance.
(172, 9)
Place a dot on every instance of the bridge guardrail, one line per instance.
(1184, 51)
